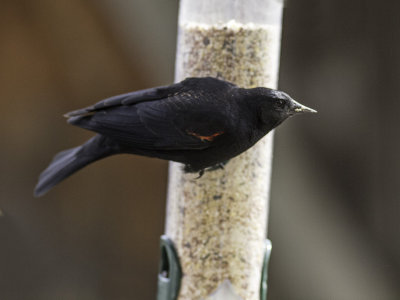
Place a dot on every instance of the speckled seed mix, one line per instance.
(218, 222)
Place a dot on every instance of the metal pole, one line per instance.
(218, 222)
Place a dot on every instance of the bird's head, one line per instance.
(276, 106)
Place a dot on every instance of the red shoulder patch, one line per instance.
(208, 138)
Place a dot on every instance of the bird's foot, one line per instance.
(219, 166)
(201, 173)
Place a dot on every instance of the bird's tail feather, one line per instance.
(69, 161)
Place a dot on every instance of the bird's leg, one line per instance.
(201, 173)
(219, 166)
(189, 169)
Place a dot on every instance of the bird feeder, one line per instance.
(216, 225)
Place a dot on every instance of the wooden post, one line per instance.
(218, 222)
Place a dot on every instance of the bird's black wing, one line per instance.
(178, 121)
(156, 93)
(128, 99)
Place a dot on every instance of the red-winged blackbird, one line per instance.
(200, 122)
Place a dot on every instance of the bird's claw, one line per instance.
(219, 166)
(201, 173)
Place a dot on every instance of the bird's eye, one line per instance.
(280, 103)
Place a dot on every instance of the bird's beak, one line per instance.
(300, 108)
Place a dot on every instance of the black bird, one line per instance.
(200, 122)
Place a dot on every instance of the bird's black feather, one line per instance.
(69, 161)
(163, 123)
(200, 122)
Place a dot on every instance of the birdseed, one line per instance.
(218, 222)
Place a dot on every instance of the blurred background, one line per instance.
(334, 218)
